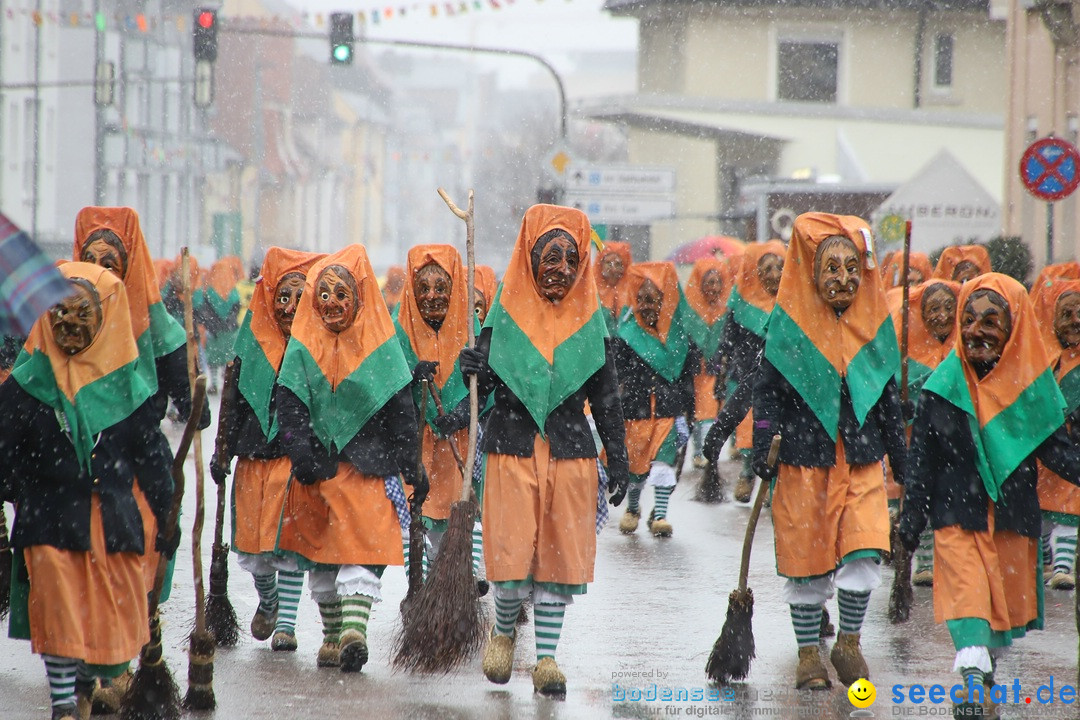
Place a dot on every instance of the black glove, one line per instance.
(167, 546)
(897, 472)
(907, 408)
(910, 542)
(220, 468)
(713, 443)
(617, 484)
(471, 361)
(424, 370)
(419, 486)
(762, 444)
(446, 425)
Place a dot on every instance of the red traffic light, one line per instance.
(206, 19)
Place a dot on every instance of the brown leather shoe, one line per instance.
(744, 488)
(283, 642)
(107, 696)
(629, 522)
(847, 659)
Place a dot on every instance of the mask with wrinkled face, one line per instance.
(939, 311)
(712, 287)
(337, 299)
(432, 286)
(556, 266)
(612, 268)
(480, 305)
(649, 302)
(104, 248)
(985, 328)
(286, 299)
(769, 269)
(837, 272)
(76, 320)
(965, 270)
(1067, 319)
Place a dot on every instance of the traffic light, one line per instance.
(341, 38)
(204, 34)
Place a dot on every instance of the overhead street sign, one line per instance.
(625, 210)
(621, 179)
(1050, 168)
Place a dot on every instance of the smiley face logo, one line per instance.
(862, 693)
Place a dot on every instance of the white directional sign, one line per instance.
(625, 210)
(622, 179)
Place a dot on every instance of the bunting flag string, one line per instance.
(147, 23)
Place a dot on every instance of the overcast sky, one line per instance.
(547, 27)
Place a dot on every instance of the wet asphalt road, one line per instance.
(647, 624)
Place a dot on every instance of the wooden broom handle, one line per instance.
(755, 513)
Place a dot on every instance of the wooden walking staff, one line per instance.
(444, 627)
(153, 694)
(220, 615)
(200, 694)
(902, 595)
(734, 649)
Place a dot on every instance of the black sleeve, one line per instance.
(920, 472)
(767, 400)
(719, 363)
(151, 459)
(686, 380)
(891, 420)
(1072, 422)
(10, 438)
(1061, 456)
(400, 419)
(734, 410)
(602, 390)
(231, 409)
(309, 458)
(485, 381)
(172, 377)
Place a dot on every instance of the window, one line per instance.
(943, 60)
(807, 71)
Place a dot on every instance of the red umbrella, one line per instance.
(708, 246)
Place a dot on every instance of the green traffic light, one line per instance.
(342, 53)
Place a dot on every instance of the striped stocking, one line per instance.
(355, 612)
(663, 494)
(61, 673)
(852, 609)
(330, 612)
(806, 619)
(506, 614)
(548, 622)
(1063, 540)
(266, 587)
(290, 587)
(924, 554)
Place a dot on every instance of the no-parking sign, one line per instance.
(1050, 168)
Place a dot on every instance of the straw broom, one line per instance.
(417, 531)
(734, 649)
(220, 615)
(445, 624)
(200, 694)
(902, 595)
(152, 694)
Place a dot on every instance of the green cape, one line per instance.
(667, 359)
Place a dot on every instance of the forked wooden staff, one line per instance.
(444, 627)
(200, 693)
(902, 595)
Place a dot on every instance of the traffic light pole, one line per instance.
(227, 27)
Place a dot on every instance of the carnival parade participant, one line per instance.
(1057, 309)
(827, 387)
(961, 263)
(221, 307)
(990, 410)
(432, 327)
(393, 288)
(919, 269)
(656, 361)
(707, 293)
(251, 433)
(738, 356)
(112, 237)
(611, 282)
(78, 532)
(543, 354)
(347, 421)
(931, 337)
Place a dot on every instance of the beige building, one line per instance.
(1044, 99)
(851, 94)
